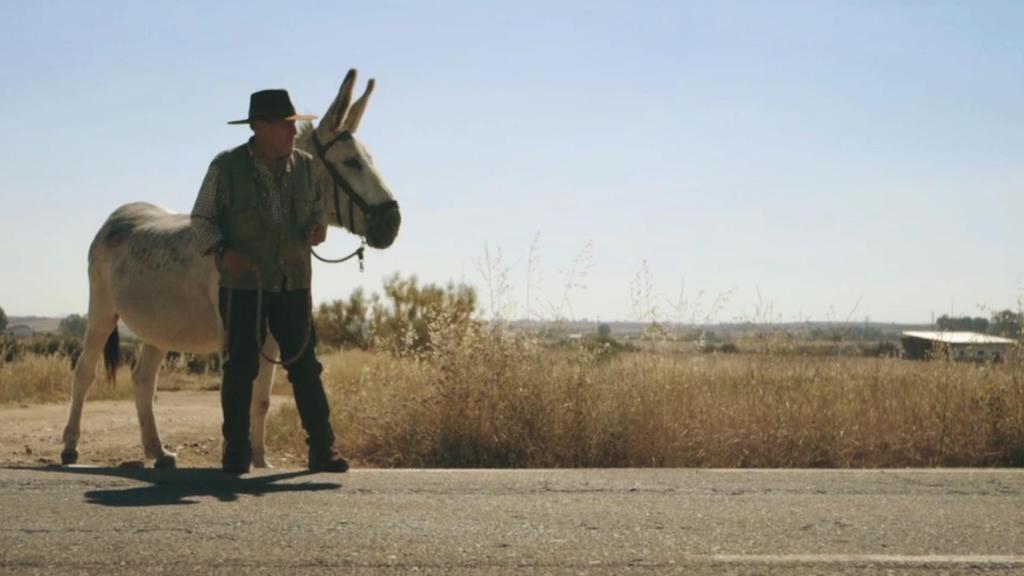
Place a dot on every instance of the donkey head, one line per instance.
(354, 195)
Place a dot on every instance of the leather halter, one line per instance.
(370, 212)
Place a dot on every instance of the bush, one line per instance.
(189, 362)
(399, 321)
(12, 349)
(344, 324)
(884, 350)
(403, 319)
(74, 326)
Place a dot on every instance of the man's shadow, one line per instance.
(187, 485)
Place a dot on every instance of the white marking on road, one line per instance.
(860, 559)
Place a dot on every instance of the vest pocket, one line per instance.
(247, 224)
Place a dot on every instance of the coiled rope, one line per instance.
(309, 307)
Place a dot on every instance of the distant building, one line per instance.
(19, 331)
(967, 346)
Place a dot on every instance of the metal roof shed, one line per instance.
(971, 346)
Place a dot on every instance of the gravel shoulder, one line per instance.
(189, 423)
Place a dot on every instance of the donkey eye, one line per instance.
(353, 163)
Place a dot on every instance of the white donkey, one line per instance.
(145, 270)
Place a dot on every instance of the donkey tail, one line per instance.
(112, 356)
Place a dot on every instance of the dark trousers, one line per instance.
(287, 315)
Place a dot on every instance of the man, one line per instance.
(257, 213)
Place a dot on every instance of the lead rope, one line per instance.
(309, 308)
(259, 322)
(359, 252)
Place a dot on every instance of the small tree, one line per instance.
(403, 317)
(604, 332)
(342, 323)
(961, 323)
(1007, 323)
(3, 320)
(73, 326)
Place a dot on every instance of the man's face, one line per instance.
(275, 137)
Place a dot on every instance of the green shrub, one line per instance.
(400, 320)
(344, 323)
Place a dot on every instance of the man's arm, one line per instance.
(209, 238)
(206, 214)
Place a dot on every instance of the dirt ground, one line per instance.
(189, 424)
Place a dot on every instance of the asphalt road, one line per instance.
(196, 521)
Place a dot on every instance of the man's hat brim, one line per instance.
(296, 117)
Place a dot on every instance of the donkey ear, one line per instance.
(355, 113)
(331, 121)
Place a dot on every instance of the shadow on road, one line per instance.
(186, 486)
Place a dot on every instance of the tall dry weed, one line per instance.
(486, 397)
(36, 378)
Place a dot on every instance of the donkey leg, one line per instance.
(144, 384)
(261, 405)
(101, 326)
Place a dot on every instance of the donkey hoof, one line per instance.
(166, 461)
(260, 461)
(69, 457)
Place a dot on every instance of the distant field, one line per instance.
(48, 325)
(627, 331)
(39, 324)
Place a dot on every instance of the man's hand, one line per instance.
(316, 234)
(235, 262)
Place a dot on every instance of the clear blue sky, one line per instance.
(801, 160)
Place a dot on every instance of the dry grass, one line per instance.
(36, 379)
(488, 399)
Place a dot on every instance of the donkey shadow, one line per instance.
(174, 487)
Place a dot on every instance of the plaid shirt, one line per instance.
(212, 200)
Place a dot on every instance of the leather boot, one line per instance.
(237, 458)
(323, 457)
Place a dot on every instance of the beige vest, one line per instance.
(280, 250)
